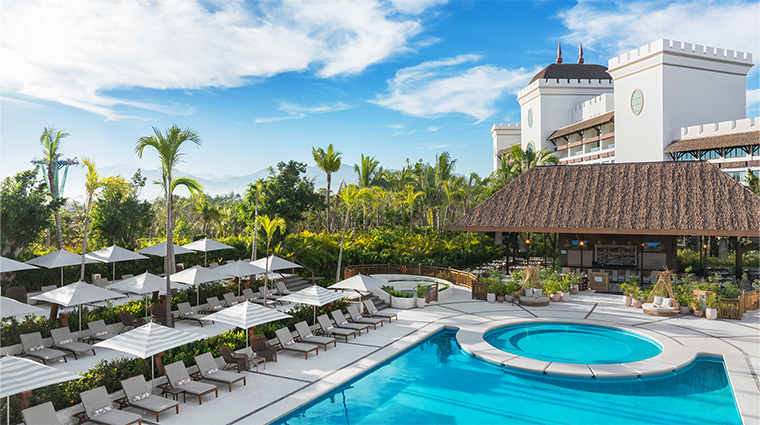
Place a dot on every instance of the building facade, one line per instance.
(665, 101)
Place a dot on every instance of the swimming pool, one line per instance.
(573, 343)
(435, 382)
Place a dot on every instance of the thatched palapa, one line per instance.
(748, 138)
(662, 198)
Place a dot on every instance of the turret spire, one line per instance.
(580, 53)
(559, 52)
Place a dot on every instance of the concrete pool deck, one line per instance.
(292, 381)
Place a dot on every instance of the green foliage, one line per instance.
(421, 289)
(712, 301)
(119, 217)
(26, 211)
(753, 182)
(395, 293)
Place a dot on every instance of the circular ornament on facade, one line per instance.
(530, 118)
(530, 146)
(637, 101)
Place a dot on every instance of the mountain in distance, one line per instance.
(212, 185)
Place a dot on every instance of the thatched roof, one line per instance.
(659, 198)
(748, 138)
(583, 125)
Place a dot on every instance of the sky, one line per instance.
(264, 82)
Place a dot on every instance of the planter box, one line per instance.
(405, 281)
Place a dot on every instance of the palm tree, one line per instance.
(409, 196)
(370, 172)
(208, 213)
(351, 195)
(270, 227)
(520, 160)
(93, 183)
(51, 141)
(329, 162)
(168, 146)
(752, 182)
(256, 189)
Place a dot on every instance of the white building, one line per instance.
(666, 101)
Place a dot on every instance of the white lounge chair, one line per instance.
(139, 395)
(288, 343)
(41, 414)
(210, 371)
(63, 339)
(307, 336)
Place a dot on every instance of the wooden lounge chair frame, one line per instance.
(129, 321)
(176, 372)
(206, 363)
(289, 344)
(135, 386)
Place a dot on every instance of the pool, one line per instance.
(435, 382)
(573, 343)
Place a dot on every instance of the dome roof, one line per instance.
(573, 71)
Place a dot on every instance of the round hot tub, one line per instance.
(573, 343)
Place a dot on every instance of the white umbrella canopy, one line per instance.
(359, 283)
(239, 269)
(246, 315)
(159, 250)
(144, 284)
(313, 295)
(10, 265)
(275, 263)
(206, 245)
(197, 275)
(77, 293)
(60, 258)
(114, 254)
(10, 307)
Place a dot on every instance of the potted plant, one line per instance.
(564, 288)
(551, 288)
(627, 299)
(501, 292)
(637, 298)
(491, 295)
(684, 298)
(697, 307)
(712, 307)
(512, 288)
(421, 289)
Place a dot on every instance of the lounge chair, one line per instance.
(357, 317)
(213, 265)
(210, 371)
(213, 304)
(342, 322)
(240, 361)
(34, 347)
(99, 409)
(46, 288)
(41, 414)
(63, 339)
(374, 312)
(263, 348)
(281, 288)
(101, 282)
(266, 293)
(257, 297)
(306, 335)
(139, 395)
(249, 295)
(129, 321)
(178, 377)
(186, 313)
(158, 313)
(327, 328)
(288, 343)
(99, 331)
(230, 300)
(126, 276)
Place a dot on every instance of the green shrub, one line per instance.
(395, 293)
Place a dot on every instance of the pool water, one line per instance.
(573, 343)
(435, 382)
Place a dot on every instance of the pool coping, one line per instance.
(674, 355)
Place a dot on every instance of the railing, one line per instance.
(457, 277)
(734, 308)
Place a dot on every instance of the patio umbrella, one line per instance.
(114, 254)
(246, 315)
(149, 340)
(144, 284)
(206, 245)
(9, 265)
(10, 307)
(239, 269)
(60, 258)
(159, 250)
(359, 283)
(272, 263)
(19, 375)
(314, 295)
(197, 275)
(77, 293)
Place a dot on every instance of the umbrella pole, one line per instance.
(62, 276)
(145, 299)
(80, 318)
(113, 272)
(152, 372)
(205, 259)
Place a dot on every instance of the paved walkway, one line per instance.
(293, 381)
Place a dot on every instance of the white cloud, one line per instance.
(414, 6)
(75, 52)
(446, 86)
(433, 128)
(394, 126)
(616, 27)
(753, 98)
(295, 111)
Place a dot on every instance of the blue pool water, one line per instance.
(573, 343)
(435, 382)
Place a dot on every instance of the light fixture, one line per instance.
(581, 243)
(704, 246)
(527, 241)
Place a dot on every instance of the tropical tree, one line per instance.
(409, 196)
(351, 196)
(270, 227)
(93, 183)
(168, 146)
(51, 141)
(753, 182)
(370, 172)
(207, 212)
(119, 217)
(329, 162)
(520, 160)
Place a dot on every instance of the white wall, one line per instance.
(594, 107)
(504, 136)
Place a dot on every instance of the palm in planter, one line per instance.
(421, 289)
(712, 307)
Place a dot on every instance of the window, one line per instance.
(530, 146)
(736, 152)
(737, 175)
(637, 102)
(530, 118)
(686, 156)
(592, 147)
(755, 150)
(711, 154)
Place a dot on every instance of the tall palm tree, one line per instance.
(520, 160)
(93, 183)
(270, 227)
(255, 189)
(168, 146)
(351, 196)
(409, 196)
(370, 172)
(51, 141)
(208, 213)
(329, 162)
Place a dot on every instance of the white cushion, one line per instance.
(657, 301)
(537, 292)
(667, 302)
(528, 292)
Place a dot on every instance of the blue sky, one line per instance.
(263, 82)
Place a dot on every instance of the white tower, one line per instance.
(666, 85)
(504, 136)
